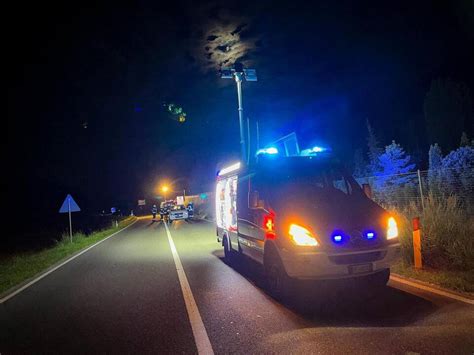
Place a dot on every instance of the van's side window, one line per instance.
(336, 179)
(341, 185)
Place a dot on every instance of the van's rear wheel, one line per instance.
(228, 253)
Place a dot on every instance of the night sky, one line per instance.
(86, 87)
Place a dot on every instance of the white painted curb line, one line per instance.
(432, 290)
(24, 287)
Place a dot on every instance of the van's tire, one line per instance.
(278, 282)
(381, 278)
(378, 280)
(228, 253)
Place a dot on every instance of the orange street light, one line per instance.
(165, 189)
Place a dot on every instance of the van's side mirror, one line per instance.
(367, 190)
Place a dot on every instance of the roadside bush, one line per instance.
(447, 233)
(65, 238)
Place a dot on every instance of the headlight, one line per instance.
(392, 229)
(302, 236)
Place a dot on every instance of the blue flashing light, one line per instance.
(314, 151)
(270, 150)
(370, 235)
(338, 237)
(318, 149)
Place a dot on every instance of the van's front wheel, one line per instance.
(380, 278)
(278, 281)
(377, 281)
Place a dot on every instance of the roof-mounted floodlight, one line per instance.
(239, 73)
(229, 169)
(250, 74)
(227, 73)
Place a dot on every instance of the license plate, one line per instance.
(360, 269)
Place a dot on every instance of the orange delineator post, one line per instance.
(417, 243)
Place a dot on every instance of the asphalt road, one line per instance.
(124, 296)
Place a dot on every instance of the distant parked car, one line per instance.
(178, 212)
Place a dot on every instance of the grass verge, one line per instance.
(19, 267)
(460, 281)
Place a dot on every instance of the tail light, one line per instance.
(269, 226)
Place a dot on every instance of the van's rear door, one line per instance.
(249, 232)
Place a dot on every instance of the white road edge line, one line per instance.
(432, 290)
(16, 292)
(199, 331)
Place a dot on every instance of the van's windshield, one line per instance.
(310, 174)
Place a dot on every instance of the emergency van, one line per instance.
(303, 217)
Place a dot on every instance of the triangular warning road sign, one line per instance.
(69, 205)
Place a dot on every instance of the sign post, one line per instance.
(70, 219)
(68, 206)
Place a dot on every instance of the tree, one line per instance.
(374, 151)
(448, 111)
(458, 171)
(435, 159)
(360, 168)
(464, 140)
(394, 166)
(461, 159)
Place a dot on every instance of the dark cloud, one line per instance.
(220, 41)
